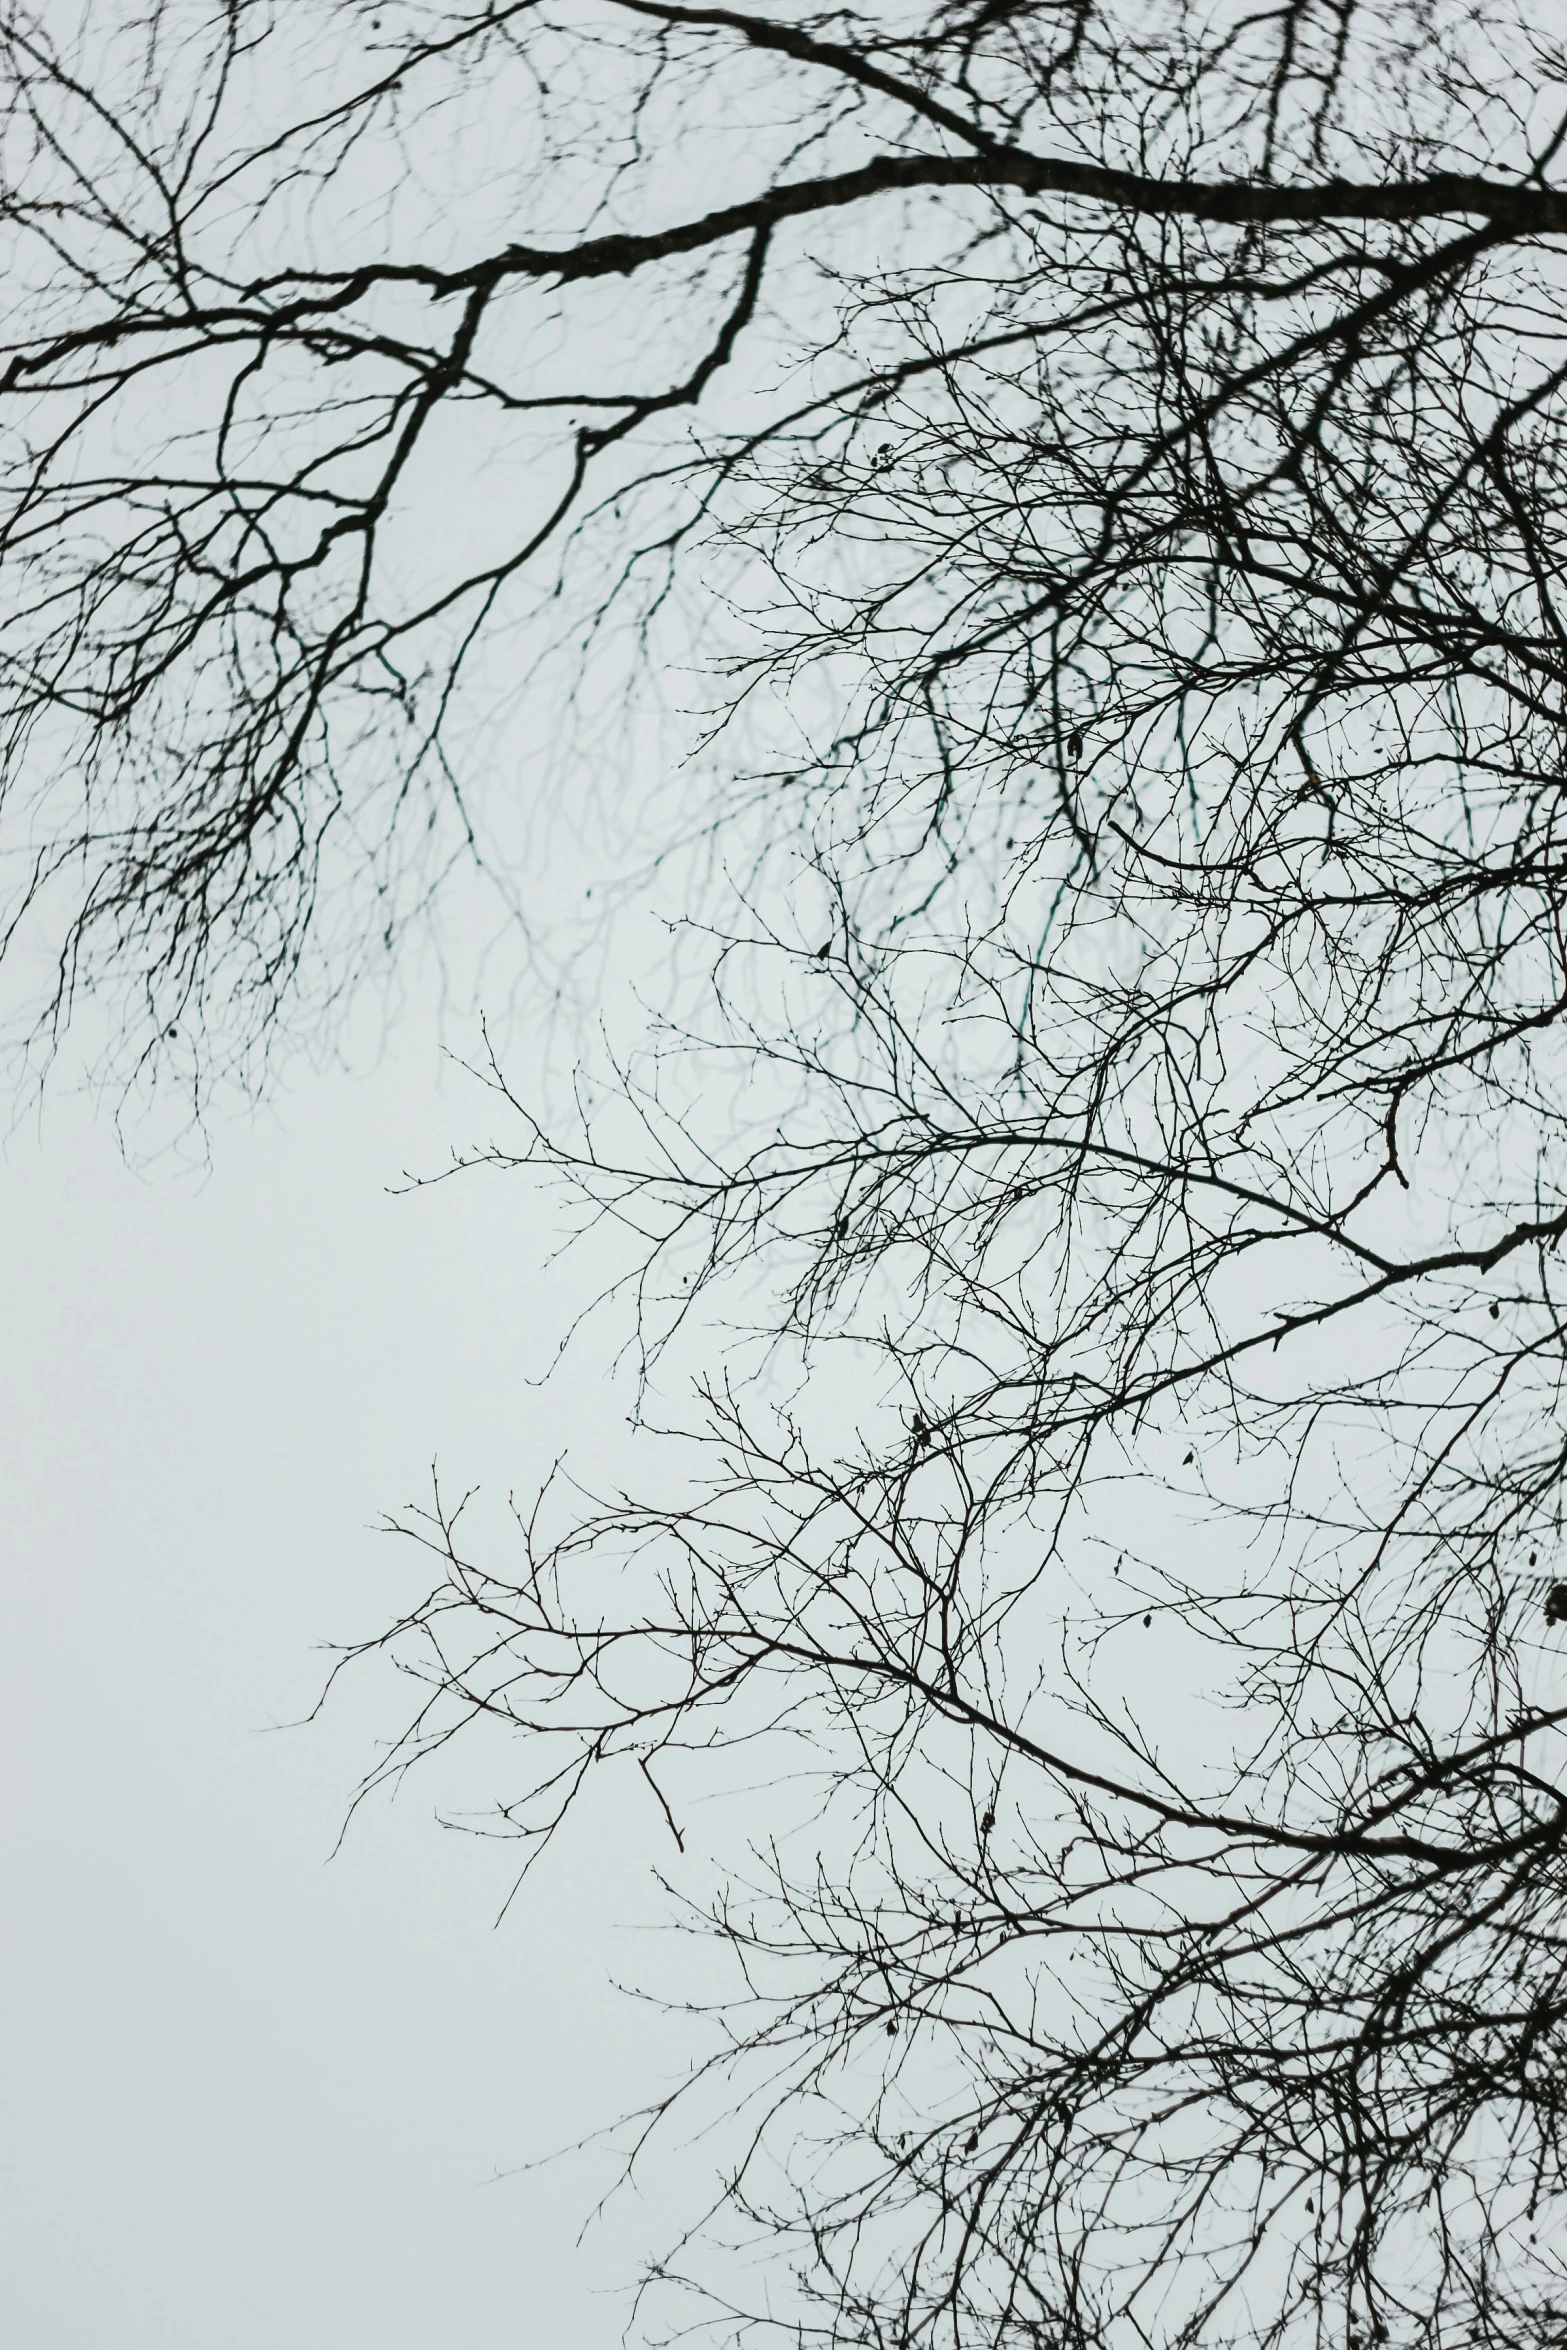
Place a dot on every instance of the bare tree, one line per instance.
(1110, 460)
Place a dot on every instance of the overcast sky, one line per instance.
(253, 2096)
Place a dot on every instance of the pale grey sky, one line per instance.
(252, 2098)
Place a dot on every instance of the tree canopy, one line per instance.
(1099, 471)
